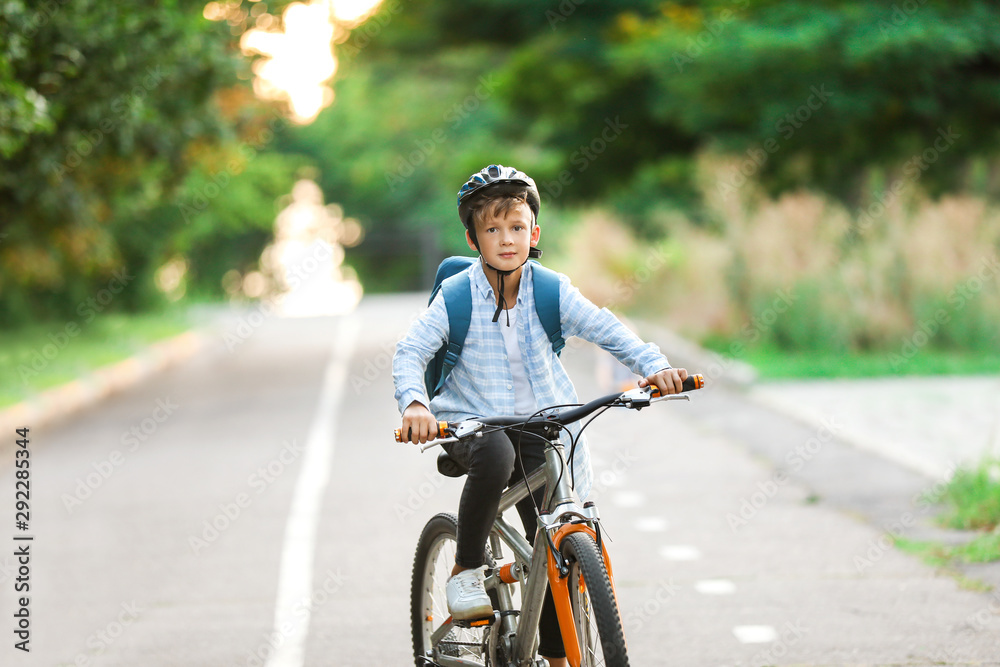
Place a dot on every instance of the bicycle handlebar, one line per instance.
(634, 398)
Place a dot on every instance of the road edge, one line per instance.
(744, 377)
(55, 404)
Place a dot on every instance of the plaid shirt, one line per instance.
(481, 383)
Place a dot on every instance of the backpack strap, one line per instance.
(547, 304)
(458, 300)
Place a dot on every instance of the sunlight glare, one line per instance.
(299, 62)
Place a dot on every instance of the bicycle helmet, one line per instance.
(493, 176)
(497, 178)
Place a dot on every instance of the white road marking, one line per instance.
(680, 552)
(755, 634)
(715, 587)
(651, 524)
(628, 499)
(294, 599)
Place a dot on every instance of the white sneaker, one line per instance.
(467, 598)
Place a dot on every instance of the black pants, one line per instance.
(494, 463)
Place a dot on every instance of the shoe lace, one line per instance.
(469, 585)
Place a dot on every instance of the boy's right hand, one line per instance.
(419, 424)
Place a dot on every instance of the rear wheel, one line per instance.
(432, 565)
(595, 611)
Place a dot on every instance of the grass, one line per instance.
(774, 364)
(982, 549)
(972, 502)
(972, 497)
(45, 355)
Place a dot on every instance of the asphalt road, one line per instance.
(250, 507)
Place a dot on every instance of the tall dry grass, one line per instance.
(802, 272)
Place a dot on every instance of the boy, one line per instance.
(507, 367)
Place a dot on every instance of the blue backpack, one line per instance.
(453, 280)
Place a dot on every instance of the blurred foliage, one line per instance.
(131, 138)
(110, 113)
(612, 103)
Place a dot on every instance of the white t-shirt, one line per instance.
(524, 398)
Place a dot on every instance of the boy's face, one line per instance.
(504, 241)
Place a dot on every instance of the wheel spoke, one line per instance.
(434, 635)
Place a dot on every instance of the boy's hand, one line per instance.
(419, 424)
(669, 380)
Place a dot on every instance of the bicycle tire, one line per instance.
(432, 564)
(595, 610)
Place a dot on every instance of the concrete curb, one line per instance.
(57, 403)
(868, 443)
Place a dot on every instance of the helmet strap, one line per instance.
(501, 298)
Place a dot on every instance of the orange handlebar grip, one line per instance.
(442, 431)
(696, 381)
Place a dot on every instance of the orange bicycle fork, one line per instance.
(560, 590)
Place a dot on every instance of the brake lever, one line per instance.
(463, 430)
(641, 397)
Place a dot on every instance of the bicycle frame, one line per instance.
(539, 565)
(561, 501)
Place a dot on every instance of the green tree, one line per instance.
(609, 101)
(105, 109)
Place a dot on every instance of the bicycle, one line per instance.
(572, 558)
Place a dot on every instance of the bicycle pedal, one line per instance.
(483, 622)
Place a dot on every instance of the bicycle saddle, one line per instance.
(449, 467)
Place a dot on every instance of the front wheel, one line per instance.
(595, 610)
(432, 565)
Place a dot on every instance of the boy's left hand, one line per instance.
(669, 380)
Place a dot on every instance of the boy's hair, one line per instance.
(498, 202)
(490, 183)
